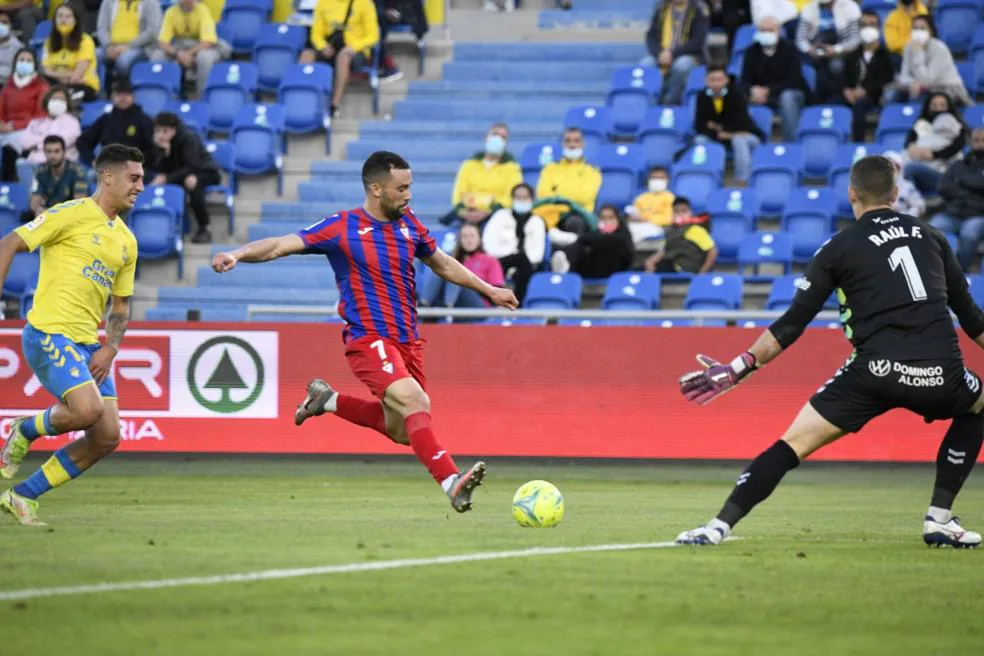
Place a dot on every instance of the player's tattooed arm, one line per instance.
(116, 322)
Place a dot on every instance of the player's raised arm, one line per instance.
(262, 250)
(455, 272)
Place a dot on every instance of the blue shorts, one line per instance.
(61, 364)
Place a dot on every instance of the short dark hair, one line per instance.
(523, 185)
(929, 22)
(873, 180)
(871, 14)
(114, 154)
(717, 68)
(660, 169)
(122, 85)
(379, 165)
(573, 128)
(682, 200)
(54, 139)
(167, 120)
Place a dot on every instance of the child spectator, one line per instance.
(652, 210)
(689, 247)
(469, 251)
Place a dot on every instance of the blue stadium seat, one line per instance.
(9, 220)
(782, 292)
(554, 291)
(241, 21)
(976, 288)
(230, 85)
(309, 276)
(304, 92)
(809, 76)
(974, 117)
(154, 84)
(809, 220)
(516, 321)
(225, 155)
(728, 232)
(277, 47)
(192, 114)
(257, 136)
(534, 157)
(822, 129)
(744, 38)
(733, 202)
(763, 117)
(840, 171)
(168, 196)
(761, 248)
(621, 167)
(894, 124)
(956, 21)
(880, 7)
(951, 239)
(166, 314)
(698, 172)
(632, 291)
(41, 33)
(582, 323)
(633, 90)
(595, 123)
(776, 170)
(662, 134)
(22, 274)
(696, 83)
(714, 291)
(92, 111)
(158, 232)
(14, 197)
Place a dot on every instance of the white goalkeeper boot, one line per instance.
(713, 533)
(949, 534)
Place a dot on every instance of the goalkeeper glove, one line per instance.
(716, 378)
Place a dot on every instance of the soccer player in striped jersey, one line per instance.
(372, 250)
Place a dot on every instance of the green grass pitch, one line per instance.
(832, 564)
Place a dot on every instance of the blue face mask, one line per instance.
(495, 145)
(24, 68)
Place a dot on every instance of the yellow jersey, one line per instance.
(196, 24)
(85, 256)
(65, 60)
(126, 25)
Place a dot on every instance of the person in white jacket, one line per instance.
(827, 31)
(518, 238)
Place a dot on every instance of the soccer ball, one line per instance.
(538, 504)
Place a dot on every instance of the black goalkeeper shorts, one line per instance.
(865, 388)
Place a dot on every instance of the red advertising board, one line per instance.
(496, 391)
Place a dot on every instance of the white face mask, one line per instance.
(657, 185)
(57, 107)
(767, 39)
(919, 36)
(870, 34)
(522, 206)
(4, 30)
(573, 153)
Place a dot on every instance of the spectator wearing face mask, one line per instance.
(484, 182)
(572, 178)
(927, 66)
(962, 189)
(867, 72)
(469, 252)
(827, 32)
(934, 142)
(59, 122)
(57, 180)
(518, 238)
(675, 40)
(652, 210)
(909, 200)
(898, 24)
(688, 248)
(722, 116)
(70, 54)
(20, 99)
(601, 252)
(10, 45)
(767, 78)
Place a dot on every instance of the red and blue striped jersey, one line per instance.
(374, 269)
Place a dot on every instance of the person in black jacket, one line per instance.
(182, 159)
(771, 75)
(675, 40)
(599, 253)
(962, 189)
(867, 71)
(126, 124)
(722, 116)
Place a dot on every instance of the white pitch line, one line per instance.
(272, 574)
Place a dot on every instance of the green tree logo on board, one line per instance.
(225, 378)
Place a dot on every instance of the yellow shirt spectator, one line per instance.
(898, 26)
(480, 185)
(196, 24)
(362, 32)
(65, 60)
(575, 180)
(655, 207)
(126, 24)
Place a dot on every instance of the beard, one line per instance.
(393, 212)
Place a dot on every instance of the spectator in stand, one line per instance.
(722, 116)
(126, 124)
(128, 30)
(767, 78)
(571, 178)
(652, 210)
(435, 291)
(484, 182)
(70, 55)
(182, 159)
(784, 12)
(675, 40)
(59, 122)
(934, 142)
(518, 237)
(601, 252)
(927, 65)
(343, 34)
(10, 45)
(688, 248)
(188, 37)
(909, 200)
(828, 31)
(57, 180)
(398, 12)
(26, 14)
(867, 73)
(729, 15)
(20, 99)
(962, 189)
(898, 25)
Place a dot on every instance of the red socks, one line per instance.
(361, 413)
(424, 444)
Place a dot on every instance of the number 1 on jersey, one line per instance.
(902, 256)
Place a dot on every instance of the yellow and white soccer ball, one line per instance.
(538, 504)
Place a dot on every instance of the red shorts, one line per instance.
(379, 362)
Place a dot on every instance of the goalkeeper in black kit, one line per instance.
(895, 278)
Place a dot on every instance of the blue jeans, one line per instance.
(926, 178)
(789, 105)
(128, 59)
(969, 231)
(742, 147)
(675, 82)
